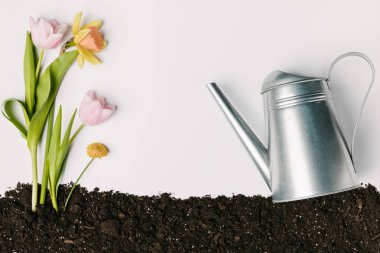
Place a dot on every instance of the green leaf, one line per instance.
(50, 80)
(47, 89)
(8, 109)
(30, 74)
(50, 127)
(64, 148)
(45, 175)
(55, 145)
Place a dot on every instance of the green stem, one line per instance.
(77, 132)
(70, 44)
(76, 182)
(53, 197)
(44, 183)
(38, 68)
(35, 179)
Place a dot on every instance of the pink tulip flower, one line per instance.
(47, 34)
(94, 110)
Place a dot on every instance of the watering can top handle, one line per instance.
(364, 57)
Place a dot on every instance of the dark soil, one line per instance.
(115, 222)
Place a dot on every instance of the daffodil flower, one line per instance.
(88, 40)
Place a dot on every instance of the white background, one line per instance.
(168, 135)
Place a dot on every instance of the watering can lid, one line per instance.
(280, 78)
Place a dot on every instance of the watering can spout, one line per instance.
(255, 148)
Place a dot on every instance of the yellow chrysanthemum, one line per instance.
(88, 40)
(97, 150)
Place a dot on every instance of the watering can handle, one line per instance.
(364, 57)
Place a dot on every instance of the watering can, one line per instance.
(307, 154)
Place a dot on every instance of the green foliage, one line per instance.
(45, 174)
(47, 89)
(56, 154)
(9, 110)
(46, 92)
(10, 106)
(30, 60)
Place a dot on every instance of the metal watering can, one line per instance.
(307, 155)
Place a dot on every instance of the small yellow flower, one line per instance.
(94, 150)
(97, 150)
(88, 40)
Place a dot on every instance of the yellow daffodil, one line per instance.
(88, 40)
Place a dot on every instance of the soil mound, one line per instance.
(115, 222)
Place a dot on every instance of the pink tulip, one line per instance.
(94, 110)
(47, 34)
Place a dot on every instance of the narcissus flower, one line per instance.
(94, 110)
(47, 34)
(88, 40)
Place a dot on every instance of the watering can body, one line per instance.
(306, 154)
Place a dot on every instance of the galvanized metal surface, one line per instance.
(255, 148)
(307, 154)
(306, 148)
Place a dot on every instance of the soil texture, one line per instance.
(98, 221)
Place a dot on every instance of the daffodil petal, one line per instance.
(76, 23)
(96, 23)
(88, 55)
(80, 61)
(105, 43)
(80, 35)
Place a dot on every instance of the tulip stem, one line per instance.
(77, 132)
(76, 182)
(67, 45)
(38, 68)
(54, 199)
(70, 44)
(35, 180)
